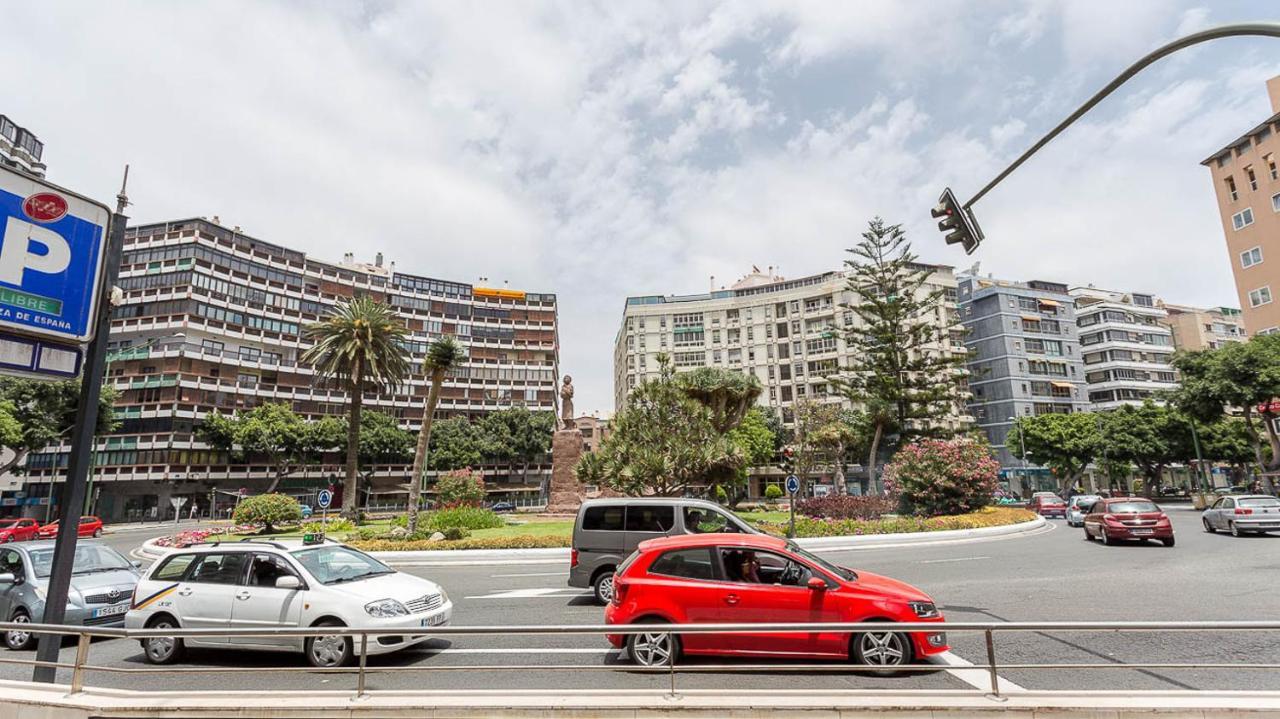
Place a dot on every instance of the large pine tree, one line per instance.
(901, 369)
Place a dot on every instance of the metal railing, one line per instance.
(80, 666)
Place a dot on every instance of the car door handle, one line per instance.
(731, 599)
(243, 595)
(185, 591)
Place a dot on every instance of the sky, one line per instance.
(600, 150)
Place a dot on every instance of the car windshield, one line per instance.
(334, 564)
(846, 574)
(88, 560)
(1259, 502)
(1084, 500)
(1132, 507)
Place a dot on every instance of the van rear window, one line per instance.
(603, 519)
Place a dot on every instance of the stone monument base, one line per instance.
(566, 492)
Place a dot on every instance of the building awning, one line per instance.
(1062, 385)
(1031, 318)
(1048, 303)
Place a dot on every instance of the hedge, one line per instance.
(985, 517)
(521, 542)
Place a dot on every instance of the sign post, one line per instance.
(793, 487)
(62, 292)
(324, 498)
(176, 503)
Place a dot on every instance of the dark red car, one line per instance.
(1048, 507)
(89, 527)
(18, 530)
(1121, 518)
(747, 578)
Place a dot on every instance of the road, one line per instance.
(1053, 575)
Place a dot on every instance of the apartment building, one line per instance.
(1126, 346)
(1246, 180)
(1200, 328)
(212, 321)
(1024, 355)
(20, 149)
(789, 333)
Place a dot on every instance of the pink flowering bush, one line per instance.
(847, 506)
(943, 477)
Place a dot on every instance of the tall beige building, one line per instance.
(1201, 328)
(1247, 181)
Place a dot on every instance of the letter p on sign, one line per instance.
(16, 256)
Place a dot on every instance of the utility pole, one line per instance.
(82, 439)
(1195, 439)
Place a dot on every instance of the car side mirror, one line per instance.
(817, 584)
(288, 582)
(136, 564)
(8, 578)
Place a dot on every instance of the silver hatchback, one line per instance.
(102, 585)
(1243, 514)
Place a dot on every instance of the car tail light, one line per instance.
(573, 557)
(619, 591)
(1110, 518)
(1243, 511)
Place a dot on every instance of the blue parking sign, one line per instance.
(52, 244)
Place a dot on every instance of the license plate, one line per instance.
(435, 620)
(1143, 531)
(111, 611)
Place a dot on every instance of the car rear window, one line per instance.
(684, 563)
(1132, 507)
(1259, 502)
(603, 519)
(1051, 500)
(174, 568)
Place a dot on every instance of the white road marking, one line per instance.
(936, 543)
(976, 677)
(534, 593)
(957, 559)
(532, 574)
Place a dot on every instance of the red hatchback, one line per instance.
(18, 530)
(1048, 506)
(89, 527)
(1120, 518)
(746, 578)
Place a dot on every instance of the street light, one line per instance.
(1022, 439)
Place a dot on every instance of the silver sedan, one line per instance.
(1242, 514)
(1078, 507)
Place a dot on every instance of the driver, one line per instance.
(750, 568)
(693, 522)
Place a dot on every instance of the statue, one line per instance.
(566, 403)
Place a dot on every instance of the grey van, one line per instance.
(607, 531)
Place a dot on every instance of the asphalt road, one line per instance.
(1053, 575)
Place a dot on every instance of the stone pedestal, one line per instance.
(566, 493)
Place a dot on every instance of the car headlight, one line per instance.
(924, 610)
(384, 608)
(444, 596)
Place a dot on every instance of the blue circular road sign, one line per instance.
(324, 498)
(793, 484)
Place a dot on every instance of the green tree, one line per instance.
(274, 432)
(843, 431)
(754, 437)
(383, 440)
(663, 442)
(268, 510)
(809, 451)
(442, 356)
(1243, 375)
(728, 395)
(46, 413)
(360, 344)
(517, 435)
(1065, 443)
(900, 372)
(10, 428)
(1146, 436)
(455, 444)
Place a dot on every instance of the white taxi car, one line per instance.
(282, 583)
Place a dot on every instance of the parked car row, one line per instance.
(26, 529)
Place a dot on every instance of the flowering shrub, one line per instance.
(938, 477)
(846, 506)
(521, 542)
(985, 517)
(465, 517)
(460, 488)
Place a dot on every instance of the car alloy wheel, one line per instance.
(330, 650)
(18, 639)
(651, 649)
(162, 650)
(1107, 540)
(604, 588)
(882, 649)
(1208, 527)
(97, 533)
(1235, 530)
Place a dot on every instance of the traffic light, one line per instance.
(958, 223)
(787, 461)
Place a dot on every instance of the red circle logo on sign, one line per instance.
(45, 207)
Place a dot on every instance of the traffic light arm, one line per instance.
(1262, 29)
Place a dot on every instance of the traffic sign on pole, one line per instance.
(793, 484)
(51, 258)
(324, 498)
(793, 487)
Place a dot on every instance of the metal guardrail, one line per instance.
(84, 635)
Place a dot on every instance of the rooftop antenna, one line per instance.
(122, 199)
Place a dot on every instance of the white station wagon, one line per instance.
(274, 584)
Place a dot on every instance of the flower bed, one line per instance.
(520, 542)
(199, 536)
(985, 517)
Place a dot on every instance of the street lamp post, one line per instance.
(1195, 439)
(1022, 439)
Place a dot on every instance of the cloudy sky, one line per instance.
(599, 150)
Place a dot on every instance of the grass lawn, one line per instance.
(534, 527)
(757, 517)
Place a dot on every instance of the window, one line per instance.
(701, 521)
(755, 567)
(603, 519)
(1231, 188)
(1260, 296)
(267, 568)
(1253, 179)
(655, 519)
(1275, 202)
(1249, 258)
(685, 564)
(218, 568)
(1271, 167)
(1242, 219)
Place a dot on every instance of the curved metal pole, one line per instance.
(1264, 29)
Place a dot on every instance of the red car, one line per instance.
(18, 530)
(747, 578)
(1048, 507)
(1120, 518)
(89, 527)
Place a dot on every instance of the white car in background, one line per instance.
(1079, 506)
(276, 584)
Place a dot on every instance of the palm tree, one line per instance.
(443, 355)
(360, 344)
